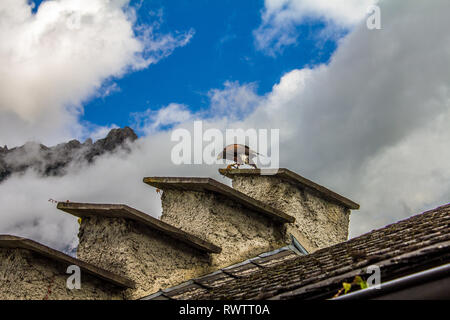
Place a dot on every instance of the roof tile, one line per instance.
(419, 241)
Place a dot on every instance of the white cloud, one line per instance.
(151, 121)
(115, 178)
(375, 111)
(234, 100)
(281, 17)
(407, 178)
(54, 60)
(372, 125)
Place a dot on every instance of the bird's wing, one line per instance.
(240, 149)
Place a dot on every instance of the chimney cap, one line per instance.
(296, 179)
(123, 211)
(10, 241)
(211, 185)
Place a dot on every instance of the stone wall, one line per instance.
(25, 275)
(148, 257)
(318, 223)
(114, 241)
(240, 232)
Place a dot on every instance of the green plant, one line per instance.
(346, 286)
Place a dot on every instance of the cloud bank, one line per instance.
(68, 51)
(372, 125)
(280, 19)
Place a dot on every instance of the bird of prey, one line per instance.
(238, 153)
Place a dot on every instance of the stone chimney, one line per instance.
(135, 245)
(242, 226)
(321, 215)
(207, 225)
(32, 271)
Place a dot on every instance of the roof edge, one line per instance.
(211, 185)
(124, 211)
(296, 179)
(15, 242)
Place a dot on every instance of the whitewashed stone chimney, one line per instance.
(135, 245)
(206, 225)
(242, 226)
(321, 215)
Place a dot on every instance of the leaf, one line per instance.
(359, 281)
(347, 286)
(79, 220)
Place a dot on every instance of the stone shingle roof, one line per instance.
(223, 276)
(411, 245)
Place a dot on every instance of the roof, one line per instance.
(224, 275)
(124, 211)
(9, 241)
(294, 178)
(399, 249)
(211, 185)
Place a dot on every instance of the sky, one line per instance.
(362, 111)
(222, 49)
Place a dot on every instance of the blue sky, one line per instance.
(366, 123)
(222, 49)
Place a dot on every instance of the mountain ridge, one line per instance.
(53, 161)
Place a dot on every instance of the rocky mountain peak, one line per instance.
(53, 161)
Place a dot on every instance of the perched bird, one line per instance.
(238, 153)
